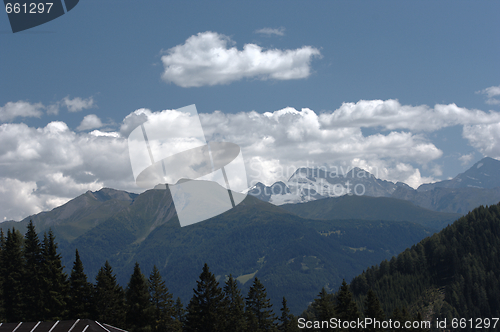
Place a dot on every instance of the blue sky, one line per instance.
(408, 88)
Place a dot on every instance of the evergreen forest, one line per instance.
(34, 287)
(451, 275)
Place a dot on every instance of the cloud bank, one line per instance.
(207, 59)
(390, 115)
(41, 168)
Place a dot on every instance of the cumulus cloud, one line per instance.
(90, 121)
(104, 133)
(77, 104)
(133, 120)
(208, 59)
(491, 93)
(270, 31)
(41, 168)
(275, 144)
(12, 110)
(466, 158)
(485, 138)
(391, 115)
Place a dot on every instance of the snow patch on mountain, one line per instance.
(308, 184)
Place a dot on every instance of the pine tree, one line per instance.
(206, 308)
(34, 278)
(2, 250)
(323, 306)
(397, 316)
(260, 316)
(161, 305)
(137, 301)
(373, 311)
(235, 310)
(288, 322)
(56, 286)
(405, 314)
(80, 291)
(13, 269)
(109, 304)
(179, 312)
(346, 309)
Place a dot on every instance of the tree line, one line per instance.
(34, 287)
(344, 307)
(452, 274)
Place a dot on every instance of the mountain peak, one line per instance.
(488, 161)
(483, 174)
(106, 194)
(308, 184)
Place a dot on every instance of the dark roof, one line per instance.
(79, 325)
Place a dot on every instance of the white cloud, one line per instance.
(133, 120)
(206, 59)
(491, 92)
(77, 104)
(44, 167)
(90, 121)
(466, 158)
(485, 138)
(391, 115)
(270, 31)
(275, 144)
(53, 109)
(41, 168)
(98, 133)
(12, 110)
(415, 179)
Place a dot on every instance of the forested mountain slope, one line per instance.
(453, 274)
(371, 208)
(293, 256)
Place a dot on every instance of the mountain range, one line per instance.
(294, 249)
(479, 185)
(293, 256)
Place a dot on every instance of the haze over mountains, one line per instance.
(479, 185)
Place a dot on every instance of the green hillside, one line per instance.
(452, 274)
(293, 256)
(371, 208)
(453, 200)
(79, 215)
